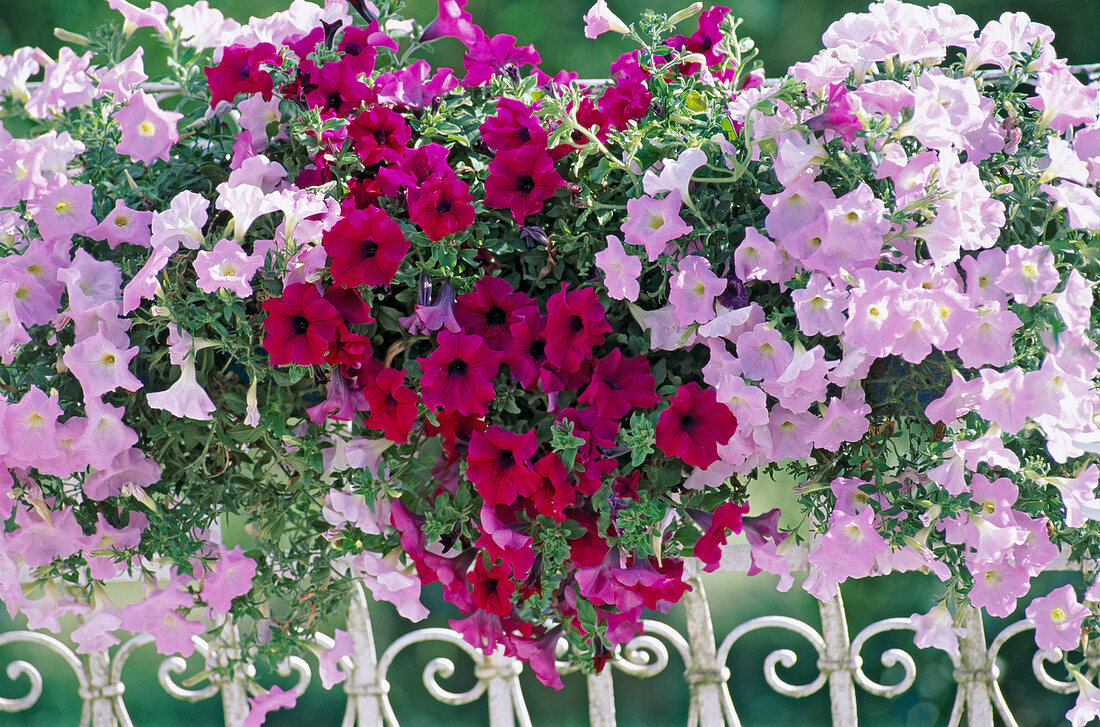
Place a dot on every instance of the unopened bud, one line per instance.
(688, 12)
(67, 36)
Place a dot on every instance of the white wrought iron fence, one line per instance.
(978, 699)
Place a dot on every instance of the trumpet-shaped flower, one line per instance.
(653, 223)
(148, 132)
(226, 267)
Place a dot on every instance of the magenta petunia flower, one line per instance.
(499, 465)
(521, 180)
(694, 425)
(491, 309)
(299, 325)
(366, 247)
(453, 21)
(513, 126)
(458, 375)
(380, 135)
(487, 57)
(393, 407)
(525, 352)
(619, 385)
(239, 72)
(709, 546)
(575, 324)
(441, 206)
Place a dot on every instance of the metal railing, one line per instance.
(839, 666)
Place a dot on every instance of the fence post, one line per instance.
(362, 687)
(705, 676)
(601, 699)
(501, 672)
(839, 662)
(100, 693)
(234, 690)
(975, 671)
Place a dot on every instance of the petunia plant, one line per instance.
(533, 338)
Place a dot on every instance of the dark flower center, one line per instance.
(457, 367)
(369, 248)
(381, 135)
(244, 71)
(443, 206)
(525, 183)
(524, 133)
(506, 459)
(496, 316)
(353, 49)
(576, 324)
(537, 350)
(334, 100)
(688, 422)
(299, 324)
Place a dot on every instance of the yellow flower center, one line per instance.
(656, 222)
(107, 359)
(62, 207)
(34, 420)
(1057, 615)
(817, 302)
(1030, 271)
(146, 128)
(122, 220)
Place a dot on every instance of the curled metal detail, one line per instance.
(438, 667)
(1038, 661)
(786, 657)
(19, 668)
(643, 656)
(889, 658)
(177, 665)
(296, 664)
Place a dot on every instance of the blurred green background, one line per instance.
(785, 31)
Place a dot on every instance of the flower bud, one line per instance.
(67, 36)
(688, 12)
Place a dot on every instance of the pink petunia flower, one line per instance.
(226, 267)
(599, 19)
(100, 365)
(693, 289)
(653, 223)
(147, 131)
(620, 269)
(123, 224)
(1057, 618)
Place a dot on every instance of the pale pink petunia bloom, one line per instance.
(747, 402)
(1087, 706)
(43, 613)
(871, 321)
(918, 326)
(185, 398)
(1082, 205)
(1057, 618)
(1028, 273)
(854, 228)
(245, 202)
(1077, 492)
(796, 154)
(273, 699)
(259, 171)
(65, 85)
(148, 132)
(96, 632)
(790, 433)
(13, 333)
(256, 116)
(201, 26)
(692, 291)
(729, 323)
(987, 340)
(847, 550)
(17, 68)
(182, 222)
(763, 353)
(1074, 303)
(960, 397)
(937, 629)
(981, 275)
(1005, 399)
(1062, 163)
(144, 285)
(804, 381)
(665, 334)
(599, 19)
(998, 585)
(1010, 33)
(676, 174)
(227, 267)
(105, 435)
(653, 223)
(334, 663)
(38, 542)
(155, 17)
(756, 258)
(1063, 99)
(28, 429)
(89, 282)
(820, 307)
(620, 269)
(63, 211)
(129, 473)
(344, 506)
(386, 582)
(123, 224)
(161, 615)
(231, 577)
(101, 366)
(120, 80)
(795, 207)
(845, 420)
